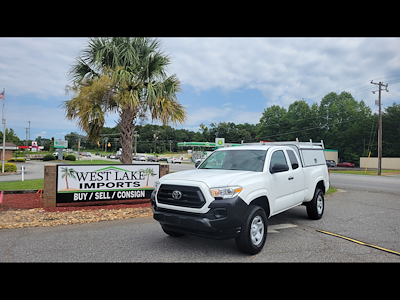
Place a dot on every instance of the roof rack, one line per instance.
(296, 142)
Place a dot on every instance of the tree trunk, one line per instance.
(126, 124)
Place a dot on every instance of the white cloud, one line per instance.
(284, 69)
(208, 115)
(37, 66)
(42, 134)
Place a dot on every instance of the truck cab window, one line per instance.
(278, 157)
(293, 159)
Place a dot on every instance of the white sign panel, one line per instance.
(105, 182)
(60, 144)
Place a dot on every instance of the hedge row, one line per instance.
(9, 167)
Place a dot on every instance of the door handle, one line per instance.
(290, 178)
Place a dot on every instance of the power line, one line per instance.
(352, 91)
(318, 127)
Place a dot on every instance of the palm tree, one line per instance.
(67, 172)
(127, 76)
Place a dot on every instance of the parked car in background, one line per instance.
(139, 158)
(346, 164)
(162, 159)
(330, 163)
(152, 158)
(174, 160)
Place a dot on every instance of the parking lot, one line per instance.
(363, 214)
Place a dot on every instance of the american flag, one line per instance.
(2, 95)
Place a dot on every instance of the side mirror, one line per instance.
(279, 167)
(295, 166)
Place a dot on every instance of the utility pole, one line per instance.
(4, 132)
(79, 147)
(380, 125)
(155, 140)
(29, 122)
(26, 139)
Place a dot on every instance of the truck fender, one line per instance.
(259, 197)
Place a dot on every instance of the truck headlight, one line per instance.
(156, 185)
(226, 192)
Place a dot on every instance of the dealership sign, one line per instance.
(60, 144)
(83, 183)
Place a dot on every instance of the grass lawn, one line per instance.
(369, 172)
(35, 184)
(331, 191)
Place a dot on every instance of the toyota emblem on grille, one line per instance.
(176, 195)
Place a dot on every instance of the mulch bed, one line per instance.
(33, 200)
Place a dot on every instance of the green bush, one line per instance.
(16, 160)
(49, 157)
(70, 157)
(9, 167)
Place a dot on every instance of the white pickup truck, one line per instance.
(236, 189)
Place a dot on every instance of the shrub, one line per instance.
(16, 160)
(49, 157)
(10, 167)
(70, 157)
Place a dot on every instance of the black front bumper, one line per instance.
(222, 221)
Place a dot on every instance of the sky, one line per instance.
(223, 79)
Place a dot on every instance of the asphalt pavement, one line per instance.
(369, 216)
(365, 209)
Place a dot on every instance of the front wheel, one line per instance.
(254, 231)
(315, 208)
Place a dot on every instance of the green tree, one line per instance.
(391, 131)
(300, 117)
(273, 124)
(11, 137)
(127, 76)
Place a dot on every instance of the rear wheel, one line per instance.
(315, 208)
(254, 231)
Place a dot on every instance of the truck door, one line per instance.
(299, 179)
(282, 184)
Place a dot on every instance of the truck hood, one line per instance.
(213, 178)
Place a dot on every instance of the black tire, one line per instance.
(171, 233)
(252, 239)
(315, 208)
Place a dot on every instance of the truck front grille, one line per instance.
(190, 196)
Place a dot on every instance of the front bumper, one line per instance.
(223, 220)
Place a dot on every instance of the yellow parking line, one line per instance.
(361, 243)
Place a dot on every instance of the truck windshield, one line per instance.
(246, 160)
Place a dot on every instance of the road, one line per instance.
(370, 215)
(35, 169)
(371, 183)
